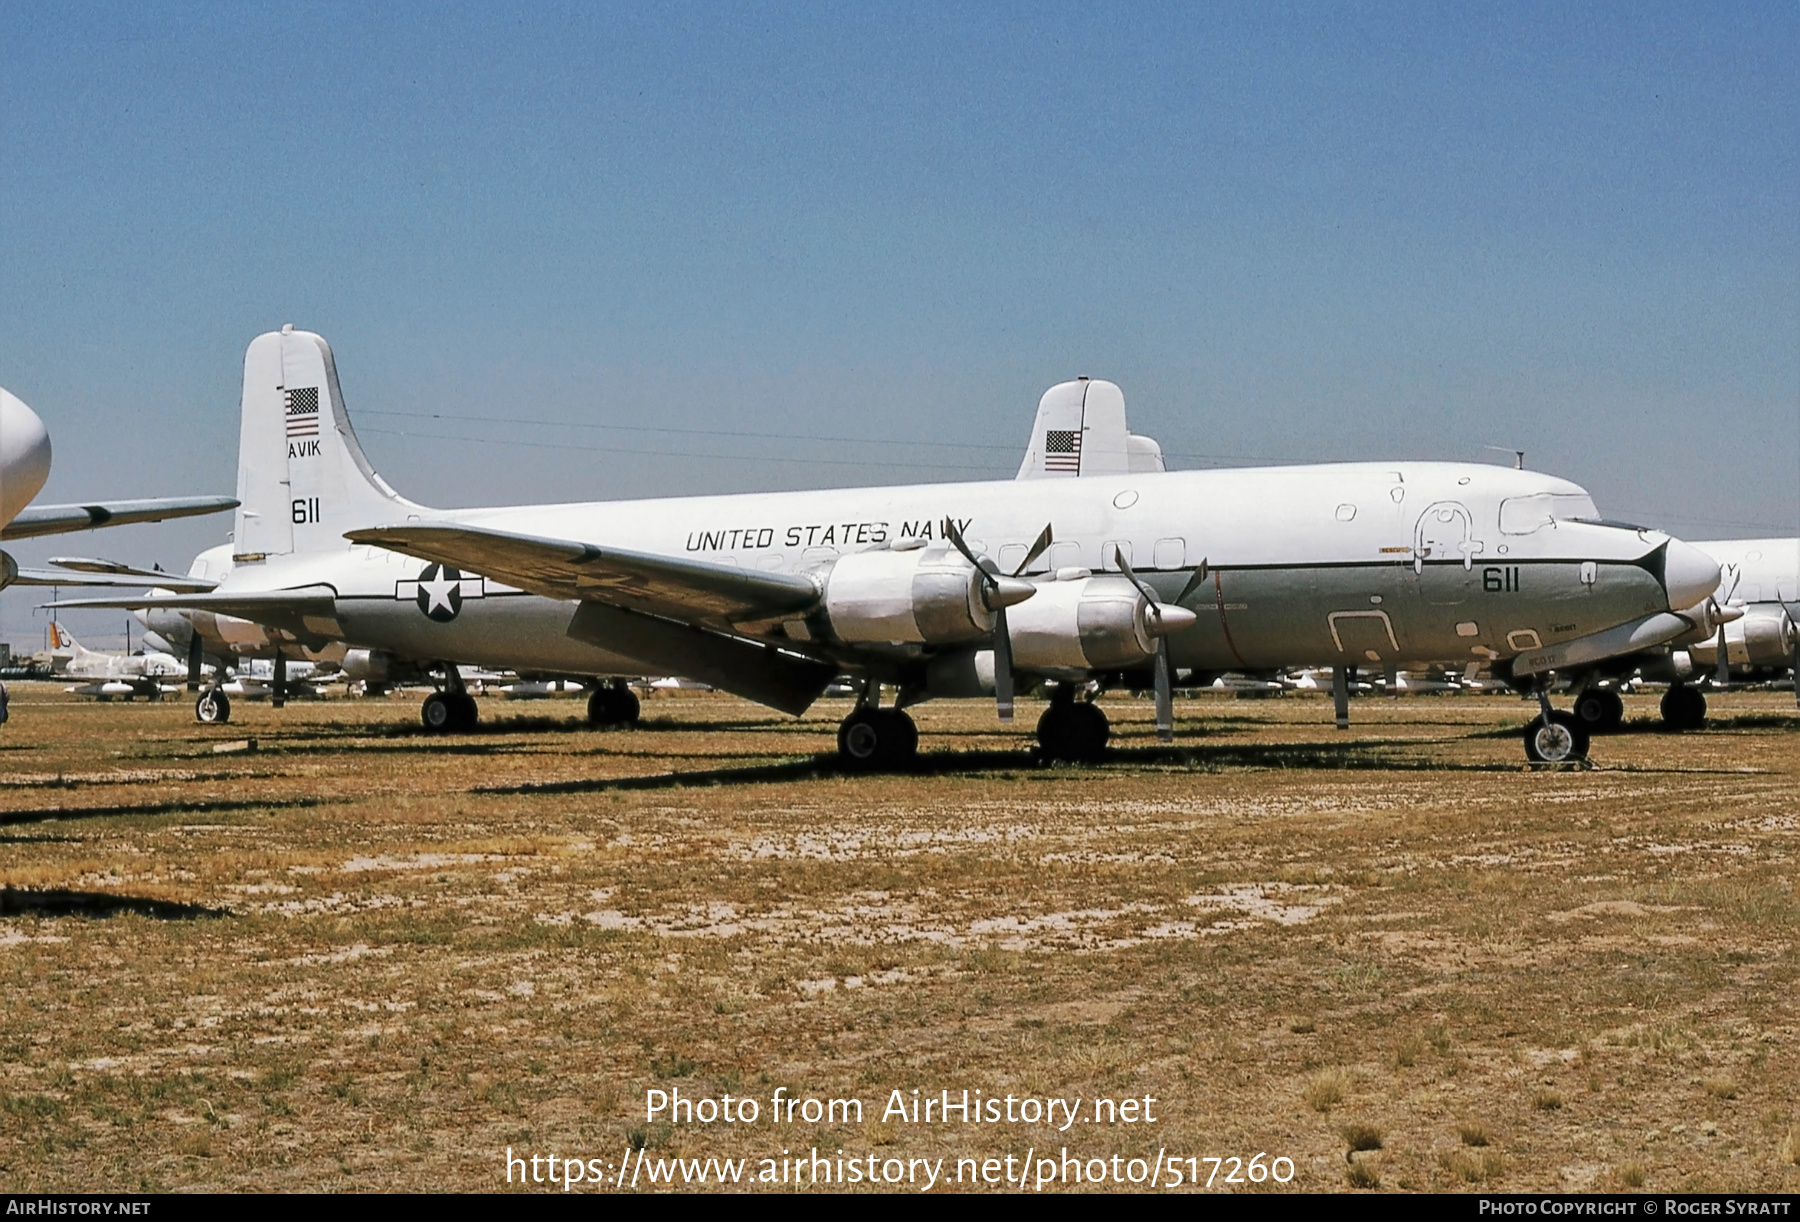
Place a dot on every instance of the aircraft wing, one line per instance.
(124, 577)
(690, 591)
(35, 520)
(308, 612)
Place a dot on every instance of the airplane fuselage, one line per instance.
(1348, 564)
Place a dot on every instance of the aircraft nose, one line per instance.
(24, 455)
(1689, 574)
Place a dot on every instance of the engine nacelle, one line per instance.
(1706, 616)
(1763, 637)
(9, 570)
(919, 596)
(1089, 623)
(372, 666)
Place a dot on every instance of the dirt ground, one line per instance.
(316, 949)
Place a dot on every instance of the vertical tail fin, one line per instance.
(1080, 430)
(303, 479)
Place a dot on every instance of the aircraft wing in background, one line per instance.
(309, 612)
(35, 520)
(79, 571)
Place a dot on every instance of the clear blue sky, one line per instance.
(1301, 233)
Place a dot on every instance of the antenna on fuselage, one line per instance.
(1518, 455)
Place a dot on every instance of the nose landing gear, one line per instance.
(1555, 737)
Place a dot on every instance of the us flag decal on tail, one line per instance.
(302, 411)
(1062, 450)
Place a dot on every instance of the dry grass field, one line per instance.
(356, 957)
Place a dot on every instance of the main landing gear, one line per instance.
(452, 710)
(1072, 730)
(1555, 737)
(1600, 711)
(1683, 708)
(613, 705)
(874, 739)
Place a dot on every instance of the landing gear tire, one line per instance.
(1683, 708)
(212, 709)
(1075, 731)
(449, 713)
(1560, 740)
(613, 706)
(875, 739)
(1600, 712)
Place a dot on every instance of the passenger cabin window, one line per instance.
(1520, 515)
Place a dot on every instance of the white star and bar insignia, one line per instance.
(440, 590)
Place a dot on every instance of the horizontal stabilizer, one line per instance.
(693, 591)
(309, 612)
(770, 676)
(67, 577)
(37, 520)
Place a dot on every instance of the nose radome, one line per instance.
(24, 455)
(1689, 574)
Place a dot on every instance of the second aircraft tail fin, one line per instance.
(303, 479)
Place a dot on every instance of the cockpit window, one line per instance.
(1520, 515)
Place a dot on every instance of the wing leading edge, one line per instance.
(36, 520)
(677, 617)
(691, 591)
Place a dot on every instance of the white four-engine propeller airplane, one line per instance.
(943, 589)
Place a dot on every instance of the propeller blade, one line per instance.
(1143, 587)
(1722, 663)
(195, 647)
(1003, 670)
(1165, 695)
(1038, 548)
(1194, 582)
(956, 540)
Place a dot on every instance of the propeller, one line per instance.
(1164, 619)
(1722, 661)
(997, 594)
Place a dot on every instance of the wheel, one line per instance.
(1076, 732)
(859, 739)
(613, 706)
(1560, 740)
(870, 739)
(900, 738)
(1600, 711)
(468, 713)
(440, 713)
(212, 709)
(1683, 708)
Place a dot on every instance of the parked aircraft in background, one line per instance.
(25, 465)
(110, 676)
(944, 590)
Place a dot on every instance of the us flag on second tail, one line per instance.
(303, 411)
(1062, 450)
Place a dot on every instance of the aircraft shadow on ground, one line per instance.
(826, 766)
(18, 901)
(47, 814)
